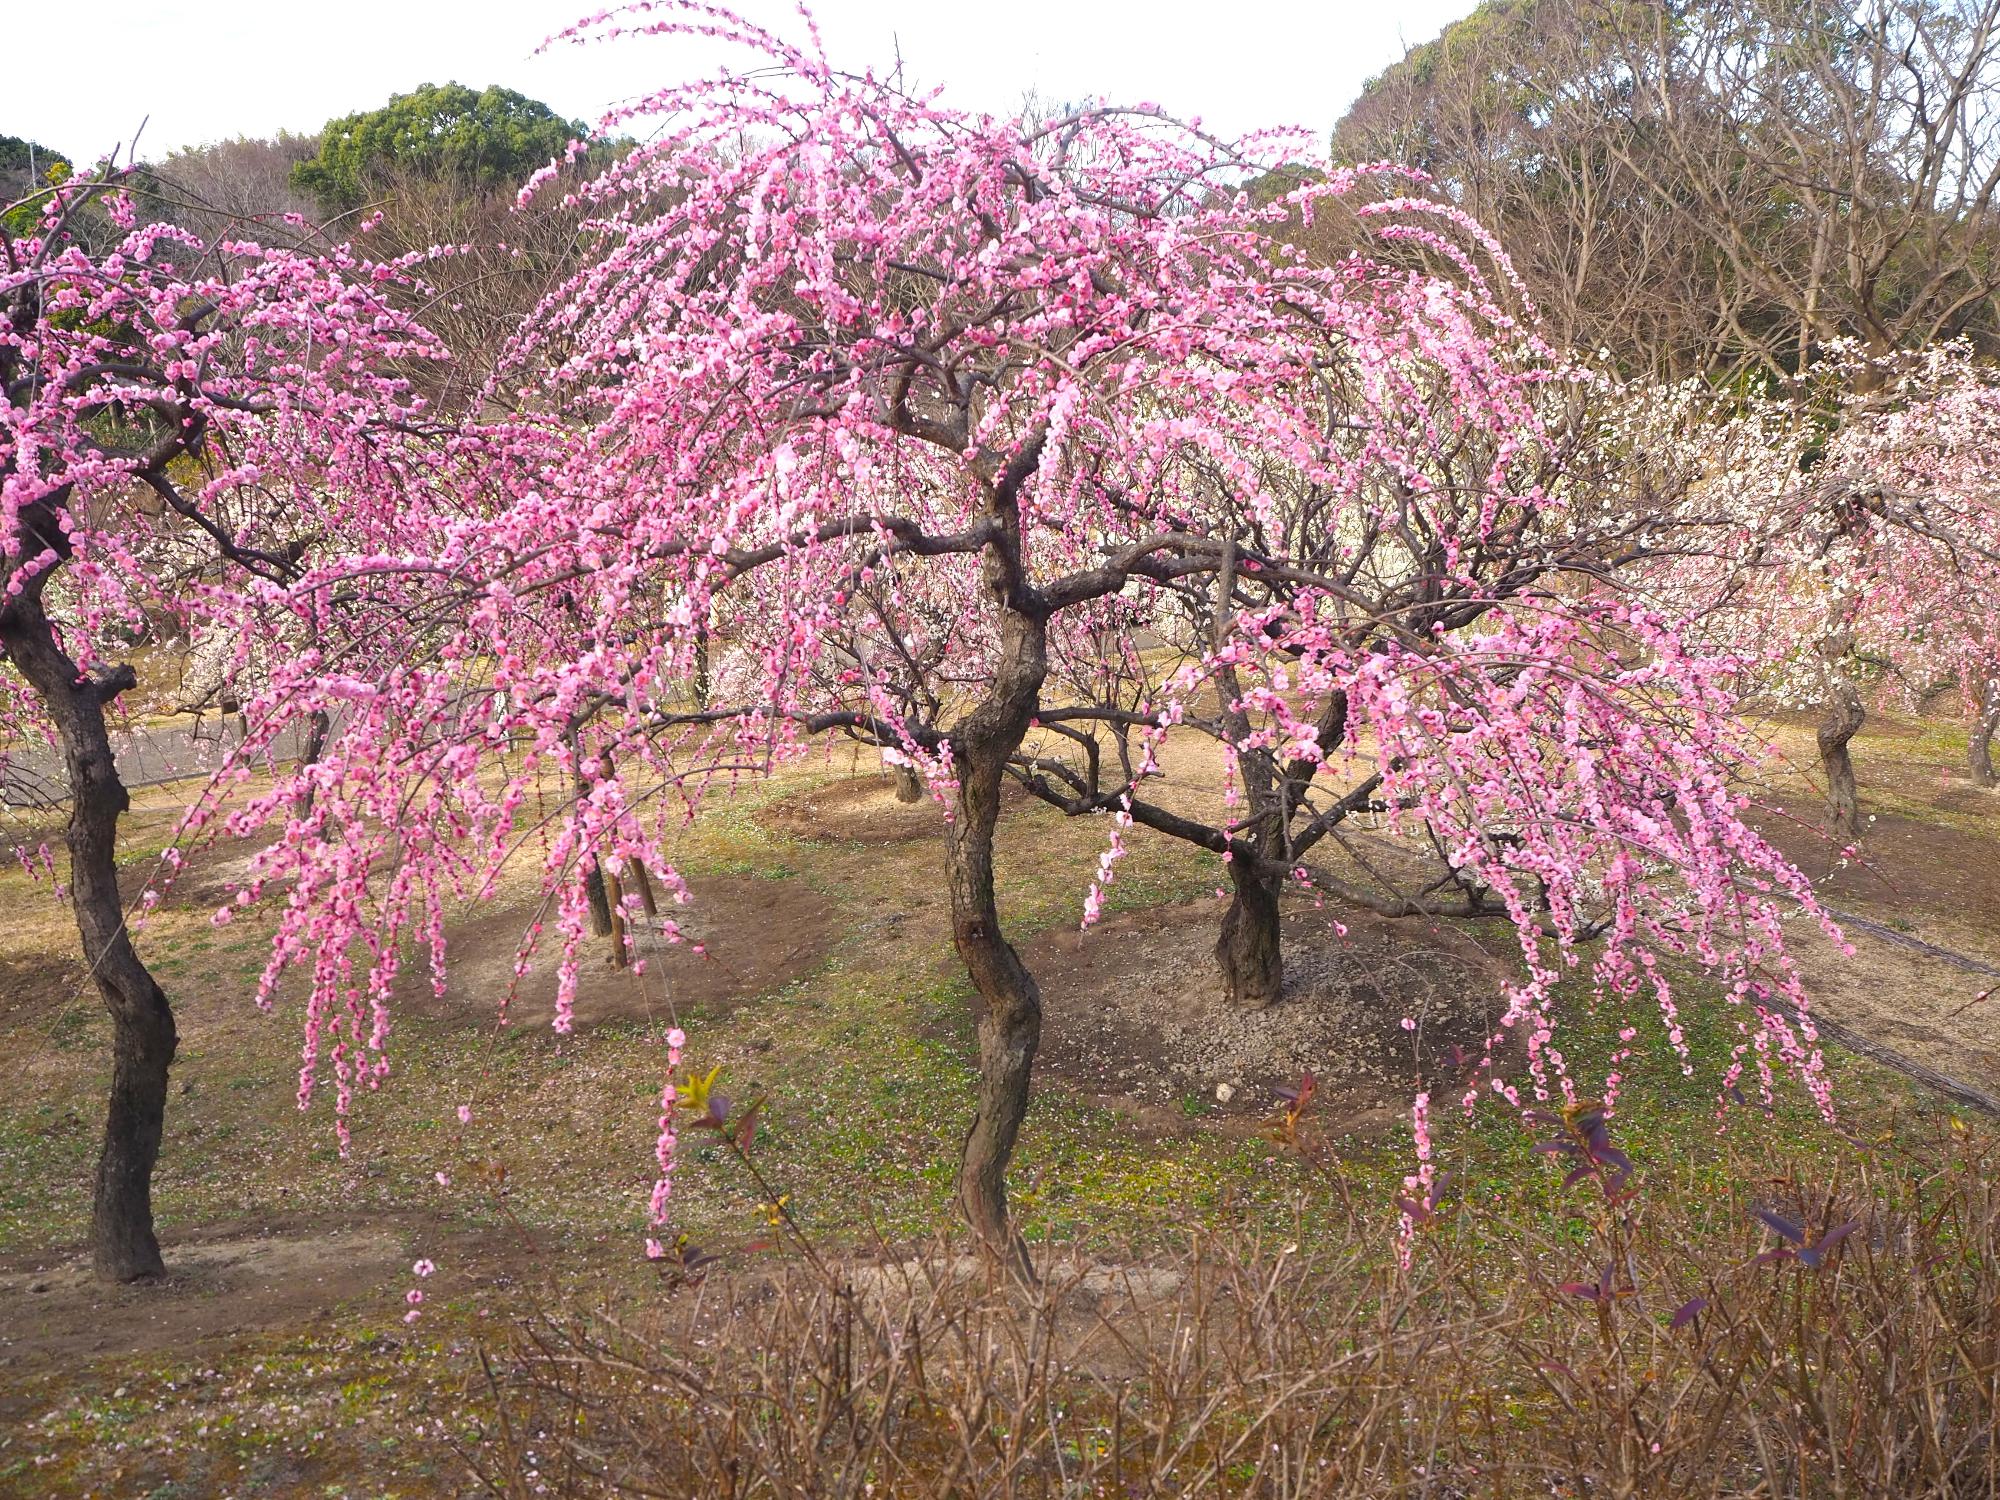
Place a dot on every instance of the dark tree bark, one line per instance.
(614, 900)
(1839, 724)
(1010, 1017)
(642, 885)
(909, 785)
(231, 704)
(1249, 948)
(702, 678)
(600, 904)
(1840, 720)
(319, 732)
(593, 872)
(143, 1040)
(1985, 724)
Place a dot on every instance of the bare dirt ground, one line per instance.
(1927, 878)
(861, 810)
(226, 1282)
(32, 987)
(742, 936)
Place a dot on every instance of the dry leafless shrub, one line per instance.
(1837, 1340)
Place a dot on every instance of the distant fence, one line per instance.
(146, 756)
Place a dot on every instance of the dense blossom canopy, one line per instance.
(180, 414)
(1840, 537)
(1914, 488)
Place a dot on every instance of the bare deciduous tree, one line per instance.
(1720, 186)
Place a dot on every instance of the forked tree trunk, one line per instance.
(600, 904)
(318, 731)
(594, 894)
(1985, 724)
(1010, 1019)
(1841, 722)
(143, 1040)
(642, 884)
(909, 785)
(614, 898)
(1249, 948)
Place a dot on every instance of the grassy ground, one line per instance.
(279, 1361)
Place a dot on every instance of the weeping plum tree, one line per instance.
(164, 399)
(1542, 742)
(1398, 533)
(1842, 540)
(1641, 527)
(865, 411)
(1912, 540)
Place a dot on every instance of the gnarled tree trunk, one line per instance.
(1985, 724)
(319, 730)
(703, 678)
(614, 900)
(1839, 724)
(1010, 1018)
(143, 1039)
(594, 896)
(1249, 948)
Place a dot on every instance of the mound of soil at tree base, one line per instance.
(756, 935)
(1134, 1011)
(861, 810)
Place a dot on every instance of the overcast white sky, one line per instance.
(81, 78)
